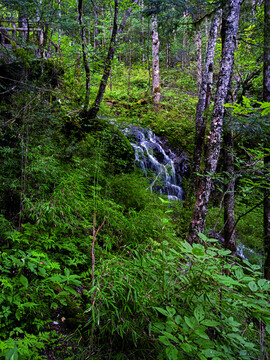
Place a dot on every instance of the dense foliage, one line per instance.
(93, 265)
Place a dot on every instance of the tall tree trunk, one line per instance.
(92, 112)
(198, 45)
(266, 97)
(148, 55)
(230, 31)
(229, 199)
(168, 54)
(229, 187)
(130, 60)
(59, 29)
(204, 100)
(85, 55)
(155, 60)
(184, 53)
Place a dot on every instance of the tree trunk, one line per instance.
(148, 55)
(85, 55)
(155, 60)
(204, 100)
(230, 31)
(229, 199)
(59, 29)
(266, 97)
(130, 61)
(168, 54)
(198, 45)
(92, 112)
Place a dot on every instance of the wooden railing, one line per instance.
(17, 36)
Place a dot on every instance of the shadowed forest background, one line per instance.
(93, 264)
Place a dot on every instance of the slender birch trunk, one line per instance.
(230, 31)
(266, 97)
(155, 60)
(204, 100)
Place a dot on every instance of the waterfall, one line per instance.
(249, 254)
(157, 162)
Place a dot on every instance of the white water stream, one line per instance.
(156, 162)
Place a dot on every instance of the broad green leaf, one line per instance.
(12, 354)
(210, 353)
(164, 340)
(201, 333)
(224, 252)
(187, 348)
(198, 251)
(190, 322)
(239, 273)
(187, 246)
(171, 311)
(199, 313)
(170, 336)
(253, 286)
(202, 357)
(24, 281)
(178, 319)
(203, 237)
(158, 327)
(171, 353)
(264, 284)
(162, 311)
(228, 281)
(211, 323)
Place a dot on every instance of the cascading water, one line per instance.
(155, 158)
(249, 254)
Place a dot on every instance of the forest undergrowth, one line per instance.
(94, 265)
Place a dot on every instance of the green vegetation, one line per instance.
(93, 265)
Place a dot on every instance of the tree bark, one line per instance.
(85, 55)
(204, 100)
(198, 45)
(266, 97)
(229, 199)
(230, 31)
(92, 112)
(168, 54)
(155, 60)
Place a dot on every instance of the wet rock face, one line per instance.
(153, 156)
